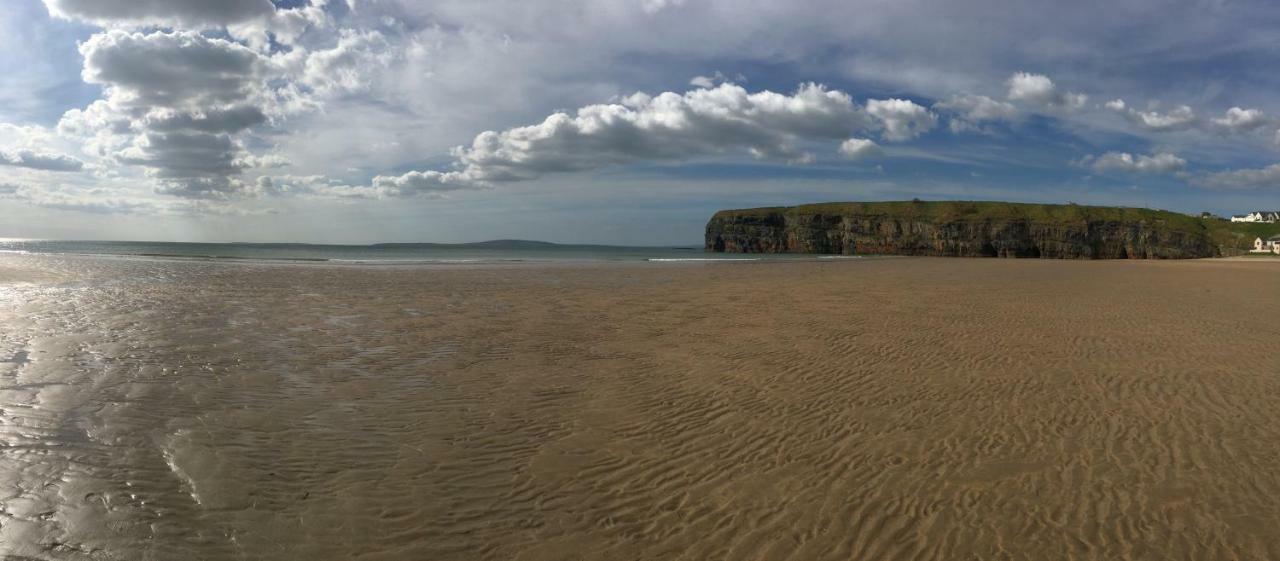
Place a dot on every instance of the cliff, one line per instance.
(974, 229)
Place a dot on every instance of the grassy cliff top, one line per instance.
(1220, 231)
(951, 211)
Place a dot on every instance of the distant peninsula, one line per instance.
(980, 229)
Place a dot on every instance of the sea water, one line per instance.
(426, 253)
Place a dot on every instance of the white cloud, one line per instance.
(702, 82)
(344, 67)
(716, 78)
(1039, 90)
(286, 26)
(1268, 177)
(1162, 162)
(860, 148)
(1179, 118)
(1241, 120)
(968, 111)
(40, 160)
(666, 127)
(422, 183)
(655, 6)
(902, 119)
(419, 184)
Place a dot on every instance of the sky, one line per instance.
(615, 121)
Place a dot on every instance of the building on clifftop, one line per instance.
(1269, 245)
(1263, 216)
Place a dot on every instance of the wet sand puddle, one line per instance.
(862, 409)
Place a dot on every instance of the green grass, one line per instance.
(1221, 232)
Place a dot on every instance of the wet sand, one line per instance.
(897, 408)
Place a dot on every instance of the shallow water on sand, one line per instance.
(878, 409)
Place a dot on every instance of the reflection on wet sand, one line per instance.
(867, 409)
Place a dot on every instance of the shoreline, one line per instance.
(444, 264)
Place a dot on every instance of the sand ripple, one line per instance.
(869, 409)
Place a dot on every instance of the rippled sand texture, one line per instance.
(874, 409)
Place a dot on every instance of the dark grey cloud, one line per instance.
(174, 103)
(40, 160)
(228, 120)
(177, 69)
(186, 13)
(189, 163)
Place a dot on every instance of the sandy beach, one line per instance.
(887, 408)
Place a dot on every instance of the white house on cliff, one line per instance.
(1270, 245)
(1265, 216)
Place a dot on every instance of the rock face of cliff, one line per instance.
(964, 229)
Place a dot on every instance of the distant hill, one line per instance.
(500, 244)
(979, 229)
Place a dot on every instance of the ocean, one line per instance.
(499, 251)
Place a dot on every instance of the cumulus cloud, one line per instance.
(310, 186)
(422, 183)
(173, 103)
(1039, 90)
(178, 68)
(1241, 120)
(1179, 118)
(1162, 162)
(1267, 177)
(968, 111)
(343, 68)
(285, 25)
(415, 184)
(902, 119)
(177, 103)
(667, 127)
(40, 160)
(860, 148)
